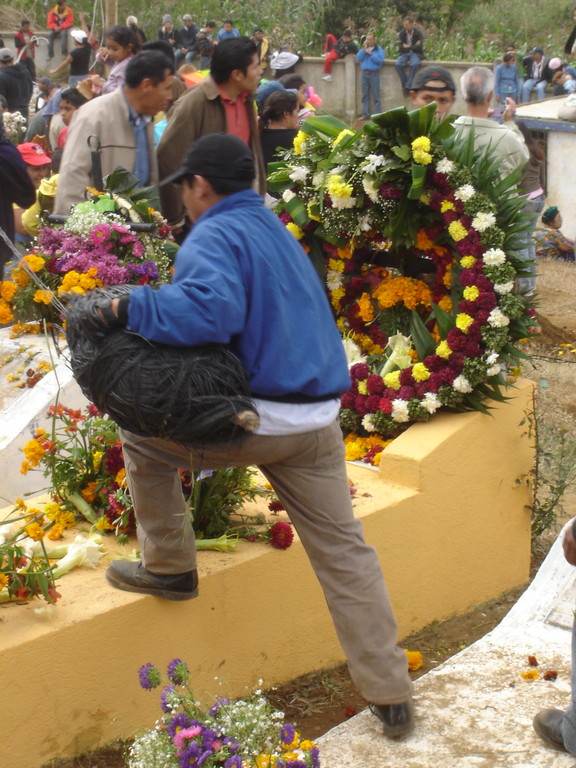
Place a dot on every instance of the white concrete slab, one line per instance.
(475, 710)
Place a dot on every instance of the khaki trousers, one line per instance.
(308, 472)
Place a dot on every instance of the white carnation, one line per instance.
(492, 358)
(483, 221)
(299, 173)
(445, 166)
(288, 195)
(368, 423)
(431, 402)
(400, 411)
(373, 162)
(461, 384)
(333, 279)
(504, 287)
(497, 319)
(343, 202)
(494, 370)
(494, 257)
(465, 192)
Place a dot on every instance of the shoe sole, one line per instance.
(166, 594)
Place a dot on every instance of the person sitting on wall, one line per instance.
(343, 47)
(410, 52)
(434, 84)
(538, 75)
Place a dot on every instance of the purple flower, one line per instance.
(204, 756)
(138, 249)
(231, 744)
(178, 723)
(149, 676)
(165, 698)
(315, 755)
(233, 762)
(208, 738)
(178, 672)
(216, 707)
(287, 733)
(100, 232)
(190, 755)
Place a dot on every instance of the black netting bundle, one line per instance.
(192, 395)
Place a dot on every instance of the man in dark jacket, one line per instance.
(343, 47)
(186, 40)
(410, 52)
(15, 187)
(15, 83)
(538, 75)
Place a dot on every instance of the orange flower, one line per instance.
(414, 660)
(35, 531)
(365, 308)
(530, 675)
(89, 492)
(423, 242)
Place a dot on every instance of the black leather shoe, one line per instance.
(397, 719)
(133, 577)
(548, 725)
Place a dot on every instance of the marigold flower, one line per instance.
(457, 231)
(35, 531)
(34, 452)
(421, 150)
(35, 262)
(447, 205)
(89, 492)
(43, 297)
(443, 350)
(530, 675)
(420, 372)
(365, 308)
(295, 230)
(471, 293)
(362, 387)
(3, 580)
(467, 261)
(56, 532)
(5, 313)
(392, 380)
(8, 290)
(415, 660)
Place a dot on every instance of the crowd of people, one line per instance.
(202, 111)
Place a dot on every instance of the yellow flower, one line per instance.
(414, 660)
(362, 387)
(96, 459)
(445, 303)
(56, 532)
(312, 211)
(34, 452)
(121, 477)
(293, 744)
(295, 230)
(424, 158)
(457, 231)
(299, 140)
(467, 261)
(530, 674)
(405, 290)
(336, 264)
(103, 524)
(471, 293)
(89, 492)
(7, 290)
(463, 322)
(443, 350)
(307, 745)
(347, 252)
(447, 205)
(3, 580)
(421, 143)
(43, 297)
(20, 277)
(392, 380)
(266, 761)
(35, 531)
(338, 188)
(36, 263)
(337, 296)
(420, 372)
(342, 135)
(5, 313)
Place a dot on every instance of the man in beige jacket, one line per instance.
(122, 123)
(222, 103)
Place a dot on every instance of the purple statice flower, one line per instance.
(233, 762)
(99, 233)
(231, 744)
(287, 733)
(149, 676)
(50, 240)
(165, 698)
(178, 672)
(178, 723)
(215, 708)
(315, 755)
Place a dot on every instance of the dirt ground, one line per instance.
(319, 701)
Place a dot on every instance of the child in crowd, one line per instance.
(70, 100)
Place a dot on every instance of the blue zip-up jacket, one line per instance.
(242, 279)
(371, 62)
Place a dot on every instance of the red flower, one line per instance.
(347, 400)
(276, 506)
(532, 661)
(375, 385)
(350, 711)
(360, 371)
(281, 535)
(385, 405)
(550, 674)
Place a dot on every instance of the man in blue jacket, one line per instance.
(371, 57)
(243, 280)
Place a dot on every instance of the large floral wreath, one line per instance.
(416, 236)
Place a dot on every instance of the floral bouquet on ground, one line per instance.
(247, 733)
(417, 238)
(113, 238)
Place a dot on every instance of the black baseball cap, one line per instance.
(216, 156)
(428, 74)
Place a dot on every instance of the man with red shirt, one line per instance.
(222, 102)
(25, 42)
(59, 20)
